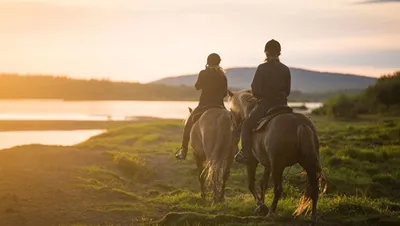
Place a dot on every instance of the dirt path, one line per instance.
(38, 185)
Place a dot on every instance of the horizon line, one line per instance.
(175, 76)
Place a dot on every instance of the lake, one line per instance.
(33, 109)
(11, 139)
(100, 110)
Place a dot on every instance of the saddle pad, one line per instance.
(271, 114)
(204, 109)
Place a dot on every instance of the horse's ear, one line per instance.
(190, 110)
(230, 93)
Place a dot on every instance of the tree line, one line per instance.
(15, 86)
(381, 97)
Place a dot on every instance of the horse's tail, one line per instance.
(309, 147)
(219, 158)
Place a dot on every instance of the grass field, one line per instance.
(128, 176)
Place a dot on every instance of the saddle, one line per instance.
(204, 109)
(284, 109)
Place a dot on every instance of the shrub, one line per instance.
(131, 165)
(341, 106)
(382, 97)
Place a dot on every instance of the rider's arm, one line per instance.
(199, 81)
(287, 83)
(256, 84)
(224, 88)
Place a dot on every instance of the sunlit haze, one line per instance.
(144, 40)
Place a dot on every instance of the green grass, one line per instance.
(361, 160)
(132, 178)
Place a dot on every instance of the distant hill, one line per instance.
(305, 81)
(14, 86)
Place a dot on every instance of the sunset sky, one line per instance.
(143, 40)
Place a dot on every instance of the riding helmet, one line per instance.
(213, 59)
(273, 47)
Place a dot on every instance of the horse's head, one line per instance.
(241, 104)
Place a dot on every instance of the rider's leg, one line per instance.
(248, 125)
(182, 152)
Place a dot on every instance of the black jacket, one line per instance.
(271, 83)
(213, 86)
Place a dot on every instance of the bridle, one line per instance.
(238, 126)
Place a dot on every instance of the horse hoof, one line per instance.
(215, 202)
(271, 215)
(203, 195)
(261, 210)
(313, 221)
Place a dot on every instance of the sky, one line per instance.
(145, 40)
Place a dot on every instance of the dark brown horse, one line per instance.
(214, 146)
(287, 139)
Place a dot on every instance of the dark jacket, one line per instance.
(271, 83)
(213, 86)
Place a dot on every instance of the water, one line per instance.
(99, 110)
(86, 111)
(11, 139)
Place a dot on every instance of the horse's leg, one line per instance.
(313, 181)
(215, 192)
(201, 176)
(277, 178)
(225, 178)
(312, 189)
(251, 176)
(264, 182)
(262, 209)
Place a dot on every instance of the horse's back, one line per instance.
(213, 123)
(213, 126)
(281, 139)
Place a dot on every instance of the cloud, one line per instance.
(378, 1)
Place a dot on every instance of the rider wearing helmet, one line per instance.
(214, 88)
(271, 86)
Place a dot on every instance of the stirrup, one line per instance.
(181, 154)
(240, 157)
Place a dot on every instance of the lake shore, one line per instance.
(68, 125)
(46, 125)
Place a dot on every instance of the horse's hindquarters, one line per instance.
(279, 141)
(212, 136)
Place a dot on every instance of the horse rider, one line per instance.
(271, 86)
(214, 88)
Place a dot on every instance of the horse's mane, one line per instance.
(243, 101)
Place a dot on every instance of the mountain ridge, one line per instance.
(303, 80)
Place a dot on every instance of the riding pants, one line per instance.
(249, 124)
